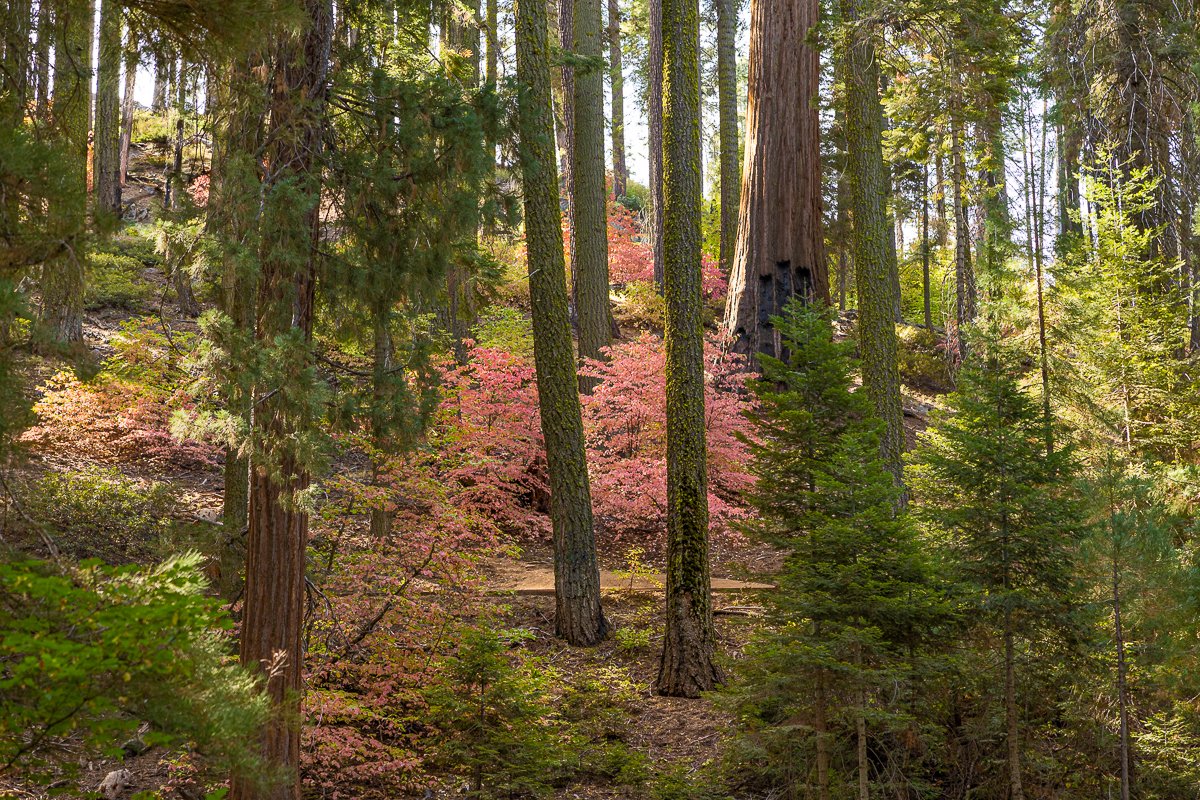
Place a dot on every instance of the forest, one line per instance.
(582, 400)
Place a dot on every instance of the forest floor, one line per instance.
(669, 734)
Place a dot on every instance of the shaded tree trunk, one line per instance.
(874, 258)
(781, 240)
(727, 121)
(616, 78)
(63, 279)
(926, 289)
(589, 215)
(687, 667)
(16, 42)
(127, 101)
(654, 97)
(578, 615)
(278, 531)
(42, 56)
(106, 142)
(964, 272)
(1012, 720)
(181, 280)
(158, 100)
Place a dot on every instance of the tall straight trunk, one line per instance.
(727, 123)
(278, 533)
(106, 141)
(964, 272)
(1012, 720)
(382, 352)
(42, 57)
(578, 616)
(616, 80)
(780, 250)
(181, 280)
(654, 99)
(127, 100)
(63, 279)
(943, 227)
(925, 283)
(158, 101)
(1124, 750)
(687, 667)
(874, 258)
(1069, 221)
(233, 204)
(492, 70)
(589, 213)
(997, 225)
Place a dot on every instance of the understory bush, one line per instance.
(115, 281)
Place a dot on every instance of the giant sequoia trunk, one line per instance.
(616, 78)
(727, 122)
(874, 257)
(578, 617)
(278, 531)
(106, 142)
(63, 278)
(780, 246)
(589, 216)
(687, 667)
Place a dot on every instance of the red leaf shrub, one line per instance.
(490, 442)
(378, 641)
(630, 257)
(111, 421)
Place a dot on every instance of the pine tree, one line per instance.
(616, 78)
(727, 113)
(1011, 519)
(687, 666)
(106, 144)
(578, 616)
(855, 587)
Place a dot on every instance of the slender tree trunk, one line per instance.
(616, 77)
(925, 284)
(589, 218)
(16, 41)
(654, 95)
(874, 258)
(232, 210)
(278, 536)
(578, 616)
(381, 360)
(158, 101)
(42, 49)
(1012, 721)
(780, 239)
(63, 279)
(181, 280)
(127, 100)
(964, 273)
(687, 666)
(106, 143)
(1125, 751)
(727, 121)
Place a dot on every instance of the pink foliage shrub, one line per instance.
(493, 452)
(111, 421)
(376, 643)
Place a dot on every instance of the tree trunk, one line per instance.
(821, 732)
(1125, 751)
(274, 606)
(780, 240)
(874, 258)
(616, 77)
(654, 96)
(45, 43)
(589, 214)
(964, 273)
(382, 353)
(181, 280)
(687, 667)
(578, 616)
(127, 101)
(1012, 720)
(16, 41)
(925, 286)
(232, 210)
(158, 100)
(63, 278)
(106, 142)
(727, 122)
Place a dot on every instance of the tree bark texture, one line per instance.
(578, 616)
(874, 258)
(158, 100)
(127, 101)
(106, 141)
(687, 667)
(589, 211)
(780, 245)
(42, 48)
(278, 530)
(616, 79)
(654, 96)
(727, 122)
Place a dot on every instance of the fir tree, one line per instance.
(1011, 521)
(854, 587)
